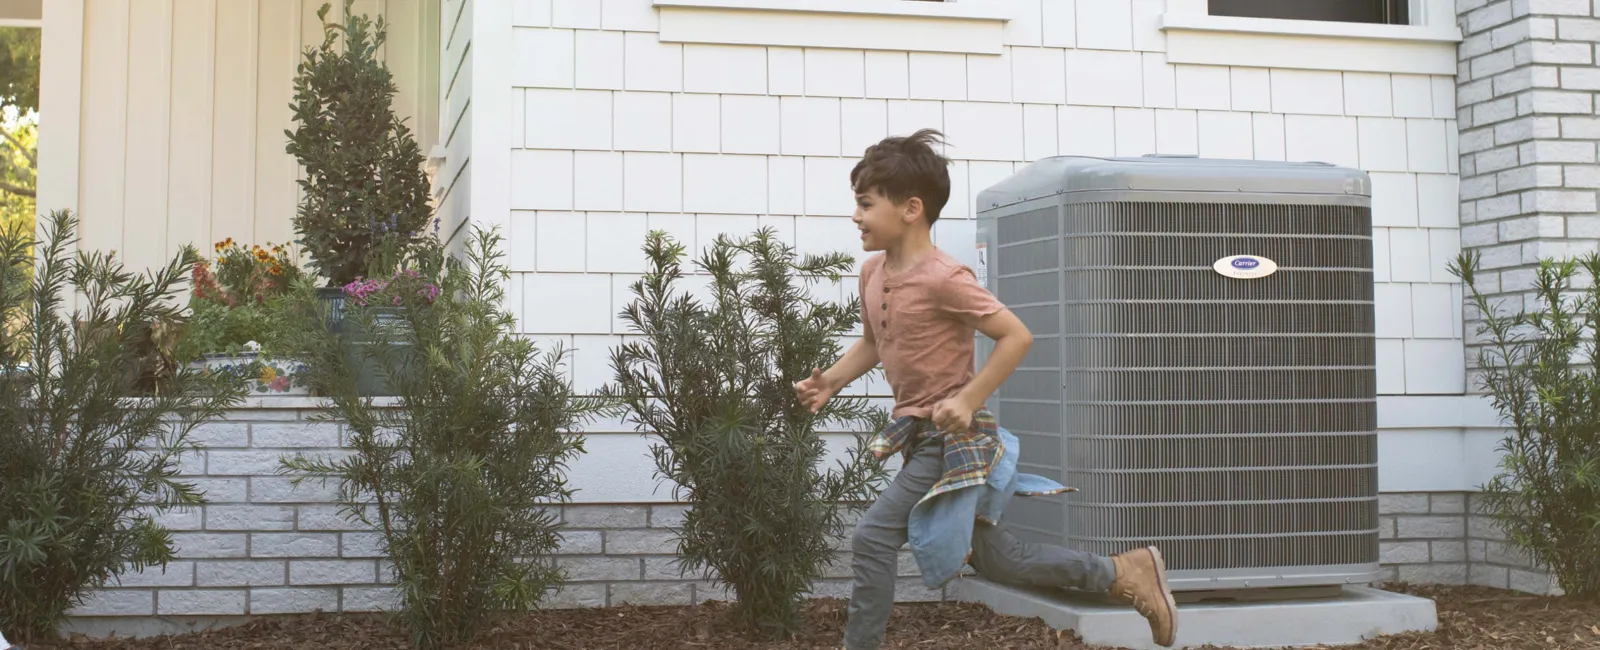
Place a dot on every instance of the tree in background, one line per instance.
(19, 136)
(19, 120)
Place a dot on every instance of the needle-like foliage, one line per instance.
(712, 381)
(90, 459)
(458, 472)
(1539, 367)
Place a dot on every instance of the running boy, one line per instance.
(920, 307)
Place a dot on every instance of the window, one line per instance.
(1385, 12)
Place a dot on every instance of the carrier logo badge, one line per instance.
(1245, 267)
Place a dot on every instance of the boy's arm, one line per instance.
(1011, 342)
(816, 390)
(860, 359)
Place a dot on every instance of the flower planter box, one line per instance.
(334, 298)
(389, 326)
(370, 381)
(264, 376)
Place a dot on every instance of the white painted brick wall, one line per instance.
(306, 556)
(1527, 142)
(708, 138)
(234, 557)
(1446, 538)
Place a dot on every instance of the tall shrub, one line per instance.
(365, 194)
(712, 381)
(89, 460)
(1540, 367)
(458, 474)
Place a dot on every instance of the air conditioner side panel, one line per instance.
(1230, 422)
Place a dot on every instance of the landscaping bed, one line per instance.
(1470, 618)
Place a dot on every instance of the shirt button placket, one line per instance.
(883, 323)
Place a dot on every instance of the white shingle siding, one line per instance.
(622, 133)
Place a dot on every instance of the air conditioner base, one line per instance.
(1356, 614)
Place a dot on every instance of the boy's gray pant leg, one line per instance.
(876, 547)
(996, 553)
(1000, 556)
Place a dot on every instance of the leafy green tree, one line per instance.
(19, 68)
(365, 194)
(19, 119)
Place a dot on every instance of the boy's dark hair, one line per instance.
(901, 167)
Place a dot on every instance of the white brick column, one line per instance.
(1526, 101)
(1529, 179)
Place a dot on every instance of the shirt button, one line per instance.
(883, 323)
(884, 305)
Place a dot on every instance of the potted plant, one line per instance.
(378, 330)
(365, 193)
(235, 317)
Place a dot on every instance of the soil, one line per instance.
(1470, 618)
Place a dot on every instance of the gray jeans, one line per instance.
(996, 553)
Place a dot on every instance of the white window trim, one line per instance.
(898, 25)
(1427, 47)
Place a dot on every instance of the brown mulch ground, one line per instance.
(1470, 618)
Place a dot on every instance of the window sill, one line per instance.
(899, 25)
(1312, 45)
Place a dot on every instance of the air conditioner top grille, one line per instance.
(1073, 174)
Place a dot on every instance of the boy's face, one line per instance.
(882, 222)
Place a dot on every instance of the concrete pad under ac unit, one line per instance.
(1359, 613)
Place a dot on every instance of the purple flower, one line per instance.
(362, 290)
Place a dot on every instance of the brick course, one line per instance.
(260, 546)
(1525, 103)
(1525, 97)
(301, 556)
(1445, 538)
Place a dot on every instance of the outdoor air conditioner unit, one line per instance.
(1203, 363)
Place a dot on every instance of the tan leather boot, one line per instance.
(1142, 582)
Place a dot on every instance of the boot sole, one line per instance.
(1172, 605)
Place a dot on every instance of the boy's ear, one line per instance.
(912, 210)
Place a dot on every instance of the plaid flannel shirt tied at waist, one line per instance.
(984, 456)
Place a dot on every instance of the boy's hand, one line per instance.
(815, 391)
(953, 415)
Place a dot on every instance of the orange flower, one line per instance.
(276, 270)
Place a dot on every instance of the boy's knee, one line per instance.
(865, 540)
(859, 539)
(989, 555)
